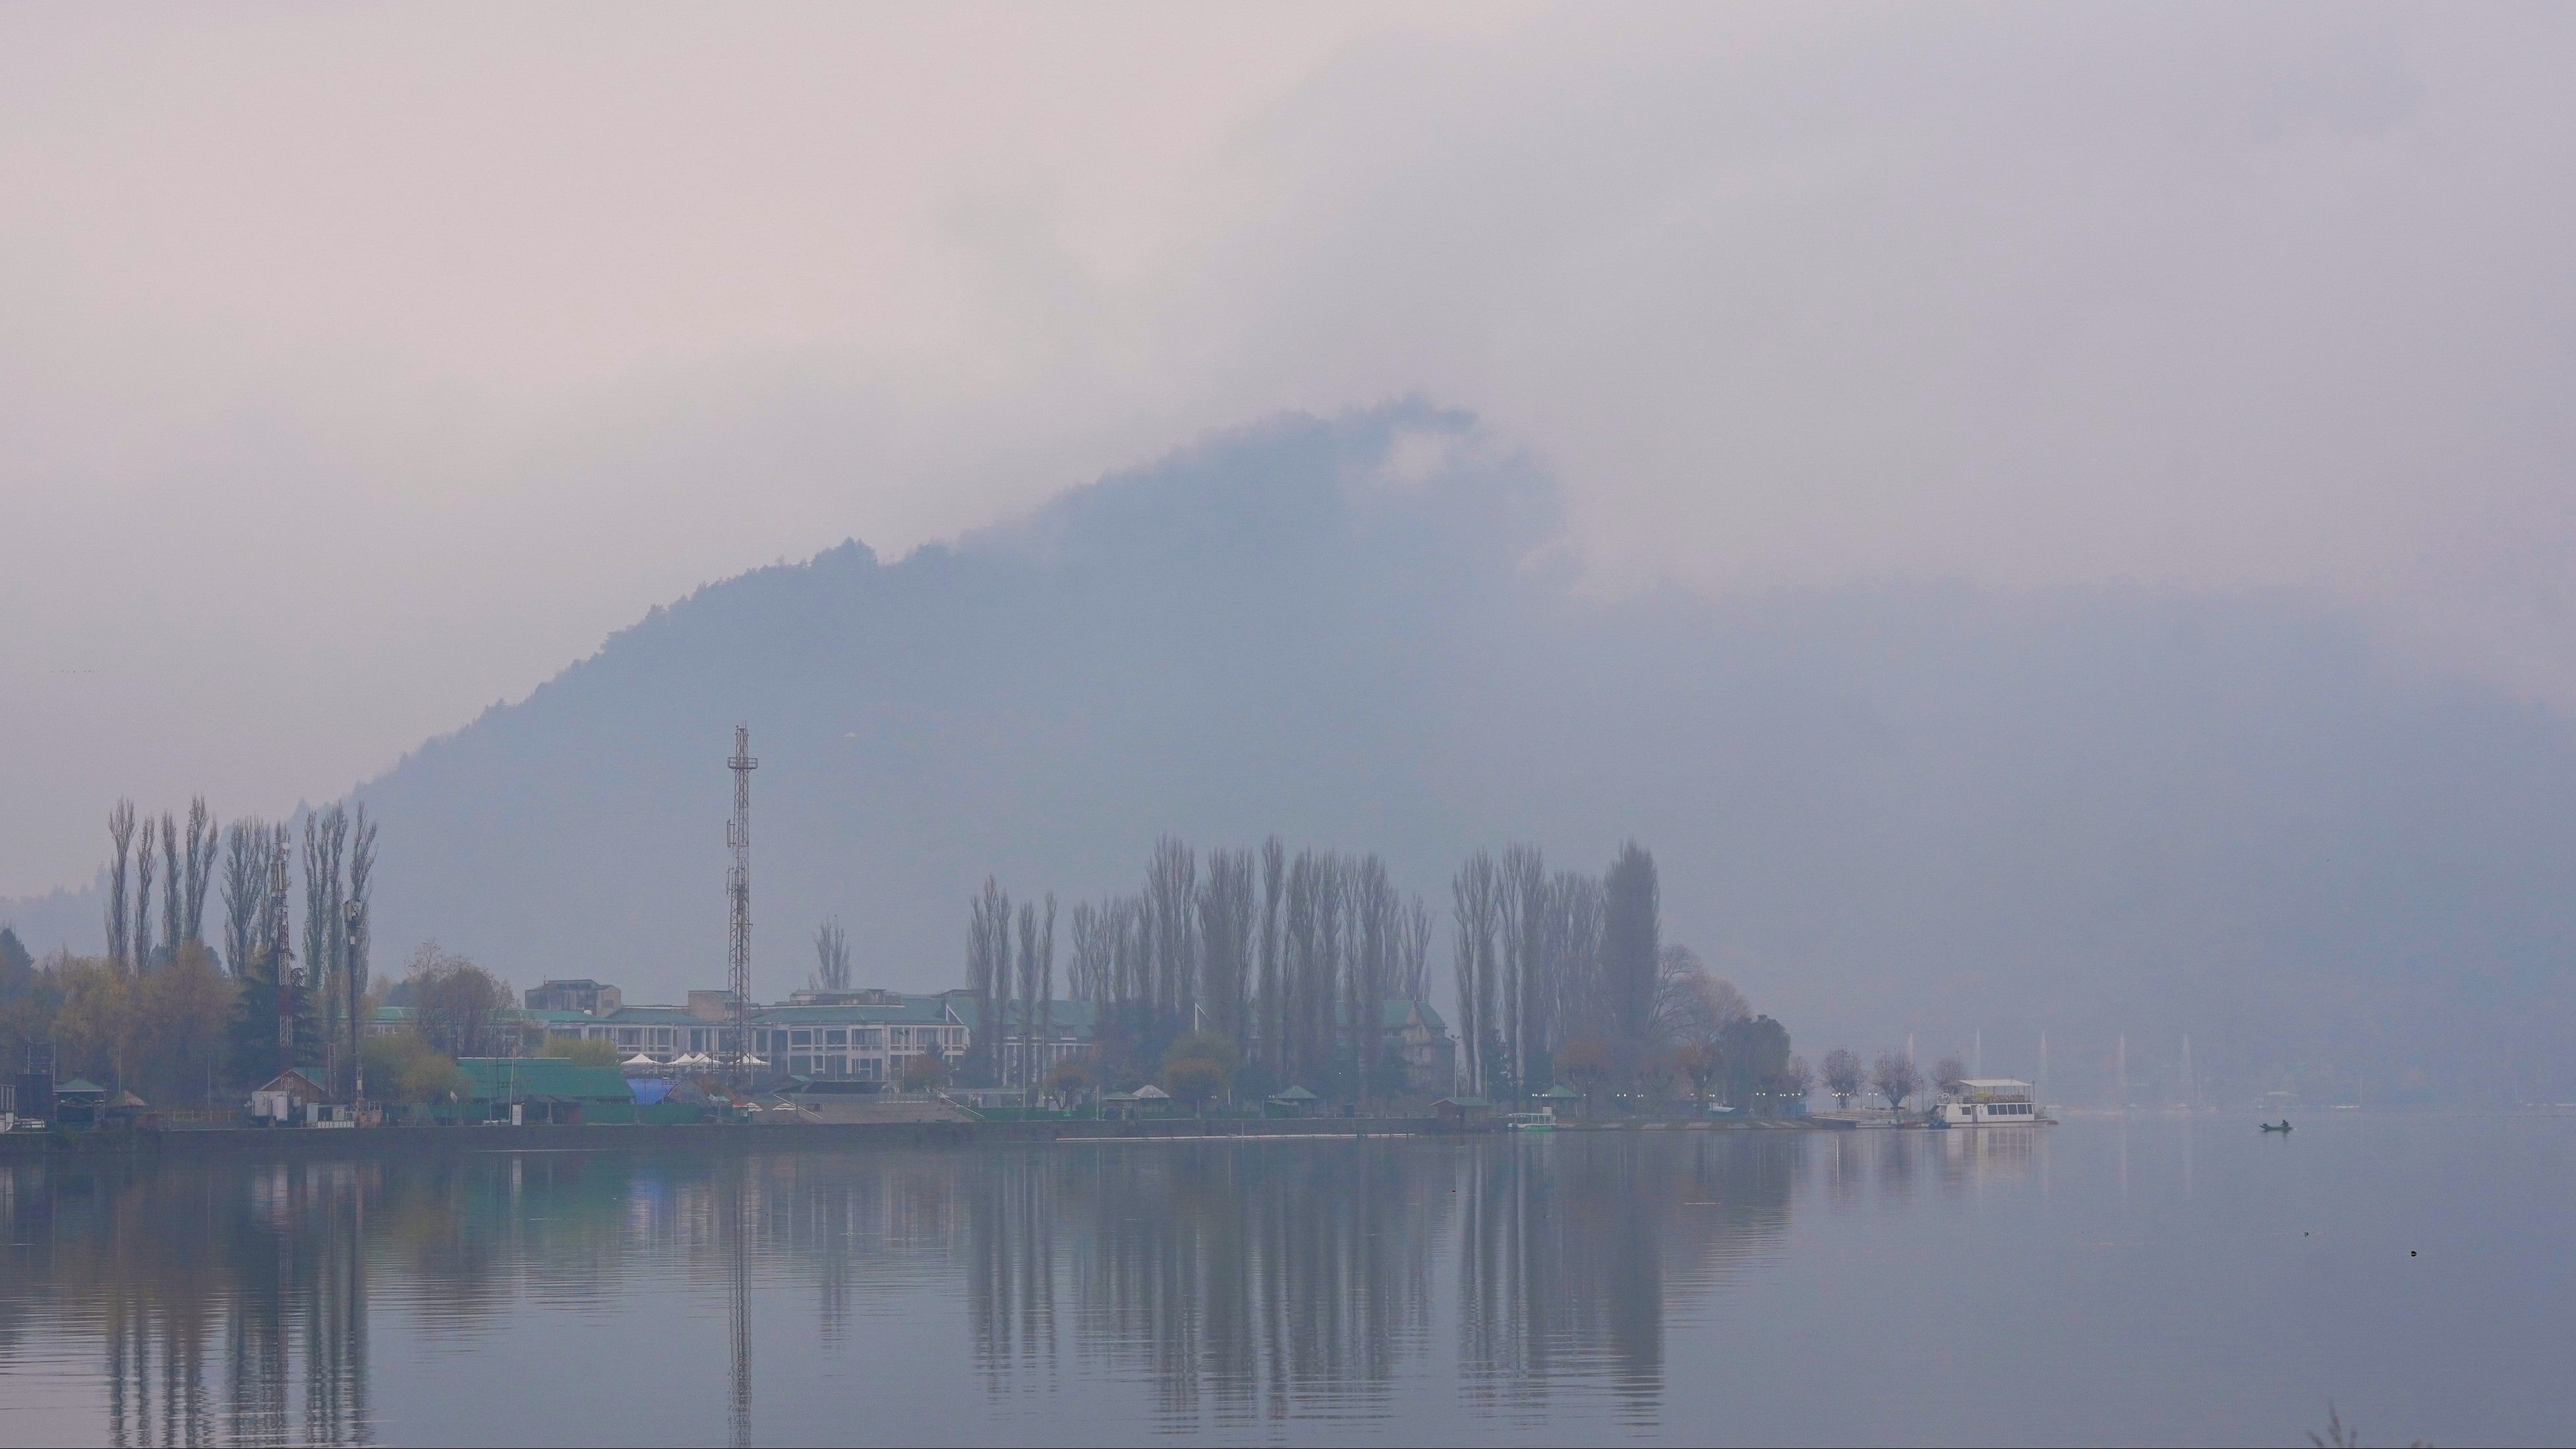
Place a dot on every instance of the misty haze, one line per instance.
(1395, 724)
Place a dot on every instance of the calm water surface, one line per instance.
(2138, 1280)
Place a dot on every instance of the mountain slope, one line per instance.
(1881, 811)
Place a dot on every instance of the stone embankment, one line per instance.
(833, 1133)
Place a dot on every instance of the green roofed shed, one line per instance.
(547, 1089)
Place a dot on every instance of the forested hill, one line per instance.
(1877, 810)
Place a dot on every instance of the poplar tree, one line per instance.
(120, 929)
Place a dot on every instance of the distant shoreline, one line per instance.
(302, 1144)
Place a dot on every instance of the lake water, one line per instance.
(2131, 1280)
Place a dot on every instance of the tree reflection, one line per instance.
(1243, 1284)
(1570, 1247)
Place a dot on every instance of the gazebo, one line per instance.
(79, 1103)
(1296, 1101)
(1145, 1099)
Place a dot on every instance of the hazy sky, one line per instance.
(362, 366)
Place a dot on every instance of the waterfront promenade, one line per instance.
(317, 1144)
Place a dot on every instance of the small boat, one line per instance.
(2281, 1126)
(1543, 1120)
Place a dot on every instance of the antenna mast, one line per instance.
(738, 889)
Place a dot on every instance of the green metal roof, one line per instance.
(649, 1016)
(80, 1087)
(497, 1078)
(909, 1011)
(1294, 1094)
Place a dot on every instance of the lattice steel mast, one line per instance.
(738, 889)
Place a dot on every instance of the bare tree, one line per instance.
(1300, 961)
(1379, 921)
(1949, 1075)
(1522, 981)
(143, 875)
(1475, 905)
(832, 956)
(1690, 1004)
(988, 964)
(1273, 1005)
(1844, 1075)
(1225, 943)
(326, 837)
(174, 885)
(1087, 974)
(459, 1007)
(1413, 951)
(1171, 900)
(120, 928)
(1329, 965)
(1046, 989)
(1797, 1079)
(355, 940)
(1575, 937)
(1631, 931)
(246, 852)
(199, 868)
(1895, 1078)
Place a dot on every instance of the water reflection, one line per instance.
(1237, 1285)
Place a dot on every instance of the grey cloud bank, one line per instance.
(357, 369)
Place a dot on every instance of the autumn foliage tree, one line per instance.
(926, 1071)
(1194, 1083)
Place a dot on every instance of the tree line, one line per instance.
(1257, 967)
(1564, 978)
(1270, 969)
(181, 1018)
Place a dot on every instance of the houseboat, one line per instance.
(1990, 1102)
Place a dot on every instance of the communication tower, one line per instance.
(738, 889)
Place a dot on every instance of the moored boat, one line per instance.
(1990, 1102)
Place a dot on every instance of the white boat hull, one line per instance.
(1990, 1114)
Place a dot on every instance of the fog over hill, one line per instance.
(1878, 810)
